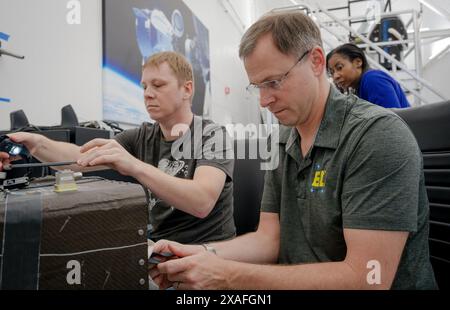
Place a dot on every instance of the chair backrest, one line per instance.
(248, 183)
(431, 127)
(18, 120)
(69, 117)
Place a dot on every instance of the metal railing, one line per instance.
(415, 76)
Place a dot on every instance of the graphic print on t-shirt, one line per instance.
(172, 168)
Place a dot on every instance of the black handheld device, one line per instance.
(13, 148)
(157, 258)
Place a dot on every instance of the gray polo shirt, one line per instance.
(364, 171)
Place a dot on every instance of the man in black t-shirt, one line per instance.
(184, 161)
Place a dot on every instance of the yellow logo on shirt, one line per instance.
(319, 179)
(318, 183)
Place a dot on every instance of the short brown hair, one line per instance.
(292, 32)
(177, 62)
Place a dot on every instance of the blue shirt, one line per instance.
(380, 88)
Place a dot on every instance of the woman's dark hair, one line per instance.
(351, 52)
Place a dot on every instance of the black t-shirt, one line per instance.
(205, 144)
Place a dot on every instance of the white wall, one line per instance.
(227, 69)
(436, 69)
(437, 72)
(62, 62)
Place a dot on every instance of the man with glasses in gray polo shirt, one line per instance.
(345, 209)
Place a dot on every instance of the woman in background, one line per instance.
(349, 69)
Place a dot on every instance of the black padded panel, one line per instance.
(437, 177)
(430, 125)
(436, 160)
(439, 248)
(439, 212)
(439, 195)
(441, 271)
(440, 231)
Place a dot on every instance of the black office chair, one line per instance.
(69, 117)
(18, 120)
(431, 126)
(248, 186)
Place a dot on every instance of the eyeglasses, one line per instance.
(255, 89)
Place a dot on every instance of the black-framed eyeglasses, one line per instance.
(273, 84)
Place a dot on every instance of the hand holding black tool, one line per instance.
(157, 258)
(13, 148)
(17, 149)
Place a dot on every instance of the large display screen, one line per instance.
(134, 30)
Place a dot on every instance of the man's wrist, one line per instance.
(139, 170)
(37, 143)
(209, 248)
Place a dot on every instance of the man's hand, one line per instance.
(166, 246)
(30, 140)
(195, 268)
(109, 153)
(4, 160)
